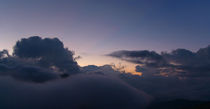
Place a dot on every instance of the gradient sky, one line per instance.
(93, 28)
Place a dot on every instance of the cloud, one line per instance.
(48, 53)
(24, 72)
(106, 70)
(179, 74)
(34, 74)
(166, 76)
(179, 62)
(139, 57)
(38, 60)
(160, 87)
(170, 88)
(4, 53)
(77, 92)
(139, 69)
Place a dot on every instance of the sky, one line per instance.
(163, 44)
(93, 28)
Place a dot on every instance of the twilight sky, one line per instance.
(93, 28)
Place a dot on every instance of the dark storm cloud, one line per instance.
(179, 62)
(77, 92)
(48, 53)
(38, 60)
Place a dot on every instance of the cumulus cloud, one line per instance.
(48, 52)
(37, 59)
(77, 92)
(179, 62)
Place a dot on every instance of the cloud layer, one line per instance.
(42, 74)
(36, 76)
(77, 92)
(179, 62)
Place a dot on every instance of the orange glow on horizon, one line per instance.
(104, 60)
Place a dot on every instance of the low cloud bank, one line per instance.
(171, 88)
(77, 92)
(180, 74)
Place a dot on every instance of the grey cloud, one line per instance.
(37, 59)
(106, 70)
(179, 62)
(28, 73)
(178, 74)
(77, 92)
(139, 57)
(4, 53)
(47, 52)
(139, 69)
(34, 74)
(171, 88)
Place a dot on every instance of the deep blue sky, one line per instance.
(95, 27)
